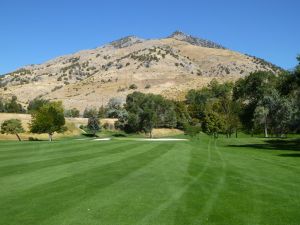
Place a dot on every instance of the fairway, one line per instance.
(82, 182)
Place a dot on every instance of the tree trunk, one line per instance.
(150, 134)
(18, 137)
(266, 129)
(236, 133)
(50, 137)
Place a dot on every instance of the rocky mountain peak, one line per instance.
(126, 42)
(178, 35)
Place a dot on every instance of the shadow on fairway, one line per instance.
(90, 135)
(290, 155)
(290, 145)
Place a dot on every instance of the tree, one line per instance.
(122, 121)
(217, 98)
(213, 124)
(280, 112)
(92, 112)
(12, 126)
(261, 118)
(114, 106)
(274, 112)
(49, 118)
(36, 103)
(102, 112)
(147, 111)
(192, 130)
(13, 106)
(73, 113)
(182, 115)
(289, 88)
(2, 107)
(93, 125)
(250, 91)
(148, 119)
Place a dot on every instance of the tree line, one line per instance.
(262, 102)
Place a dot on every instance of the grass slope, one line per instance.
(225, 181)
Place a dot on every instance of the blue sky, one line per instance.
(34, 31)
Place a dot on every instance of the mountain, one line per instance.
(169, 66)
(178, 35)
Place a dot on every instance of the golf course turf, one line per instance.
(206, 181)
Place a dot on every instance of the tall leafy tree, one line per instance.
(290, 87)
(48, 119)
(182, 115)
(250, 91)
(213, 124)
(275, 113)
(147, 111)
(217, 98)
(261, 115)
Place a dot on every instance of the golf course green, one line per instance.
(244, 181)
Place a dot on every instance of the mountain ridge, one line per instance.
(169, 66)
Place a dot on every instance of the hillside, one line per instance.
(169, 66)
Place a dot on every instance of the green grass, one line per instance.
(224, 181)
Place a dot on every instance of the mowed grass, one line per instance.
(224, 181)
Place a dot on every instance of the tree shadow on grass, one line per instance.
(289, 145)
(90, 135)
(290, 155)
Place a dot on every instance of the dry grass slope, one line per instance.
(169, 66)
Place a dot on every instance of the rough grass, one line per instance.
(224, 181)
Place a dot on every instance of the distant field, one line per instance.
(227, 181)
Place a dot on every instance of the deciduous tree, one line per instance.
(12, 126)
(48, 119)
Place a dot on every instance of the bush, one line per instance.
(192, 131)
(121, 89)
(72, 112)
(147, 86)
(93, 125)
(33, 139)
(105, 126)
(90, 113)
(133, 87)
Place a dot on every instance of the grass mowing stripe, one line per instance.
(203, 188)
(70, 149)
(31, 166)
(43, 148)
(89, 147)
(178, 195)
(153, 183)
(20, 147)
(46, 200)
(214, 195)
(19, 182)
(140, 191)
